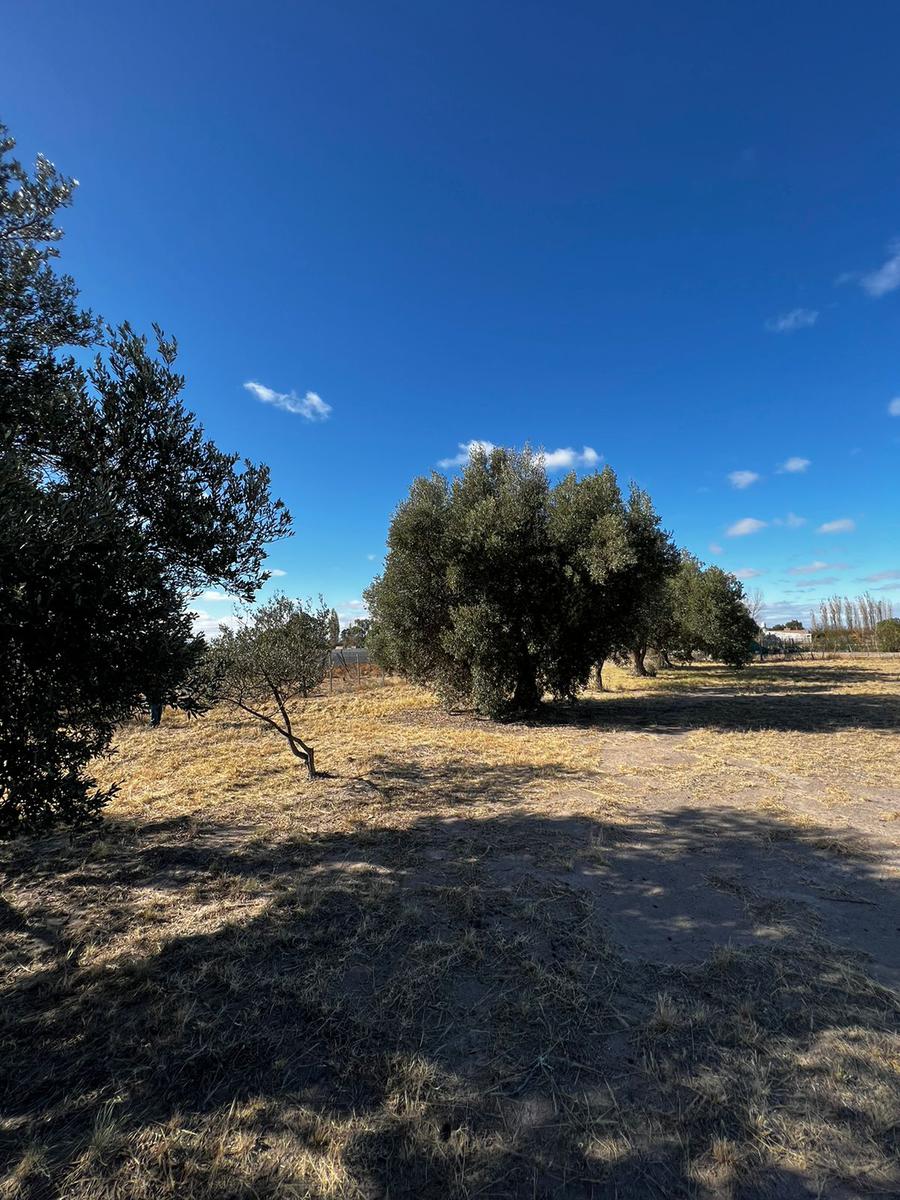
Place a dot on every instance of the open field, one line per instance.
(645, 947)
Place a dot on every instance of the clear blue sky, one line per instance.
(663, 232)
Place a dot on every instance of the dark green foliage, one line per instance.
(275, 657)
(705, 613)
(887, 634)
(498, 588)
(356, 633)
(334, 628)
(113, 508)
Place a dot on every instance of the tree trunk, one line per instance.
(665, 660)
(306, 753)
(600, 687)
(637, 656)
(526, 698)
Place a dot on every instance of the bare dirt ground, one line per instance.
(646, 946)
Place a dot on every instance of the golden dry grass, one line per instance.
(636, 948)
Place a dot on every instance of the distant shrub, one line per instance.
(887, 634)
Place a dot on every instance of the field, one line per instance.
(644, 947)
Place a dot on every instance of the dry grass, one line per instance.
(635, 949)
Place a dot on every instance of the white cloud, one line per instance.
(743, 479)
(744, 526)
(352, 610)
(793, 521)
(748, 573)
(782, 610)
(842, 525)
(371, 557)
(715, 548)
(793, 465)
(465, 452)
(277, 572)
(557, 460)
(213, 596)
(789, 322)
(880, 575)
(553, 460)
(887, 277)
(208, 625)
(310, 406)
(894, 407)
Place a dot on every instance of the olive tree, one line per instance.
(887, 633)
(114, 509)
(273, 658)
(498, 587)
(703, 611)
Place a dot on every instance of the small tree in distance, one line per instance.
(355, 634)
(276, 656)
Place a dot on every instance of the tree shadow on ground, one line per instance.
(511, 1006)
(729, 711)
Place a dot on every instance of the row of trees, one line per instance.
(114, 510)
(863, 623)
(499, 587)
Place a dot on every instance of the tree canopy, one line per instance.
(887, 633)
(498, 587)
(274, 657)
(114, 508)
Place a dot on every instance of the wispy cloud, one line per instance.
(821, 581)
(881, 575)
(213, 596)
(791, 520)
(743, 479)
(277, 572)
(894, 407)
(887, 277)
(792, 466)
(553, 460)
(310, 406)
(814, 568)
(748, 573)
(842, 525)
(715, 548)
(744, 526)
(790, 322)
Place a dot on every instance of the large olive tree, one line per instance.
(114, 508)
(499, 587)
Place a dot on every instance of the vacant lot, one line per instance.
(643, 948)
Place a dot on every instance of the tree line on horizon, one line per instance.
(116, 510)
(864, 623)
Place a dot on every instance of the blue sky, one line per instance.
(662, 235)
